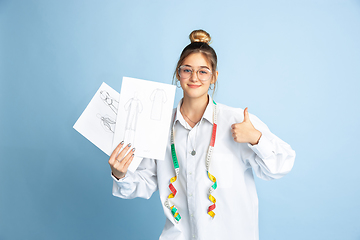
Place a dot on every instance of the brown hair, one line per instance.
(200, 41)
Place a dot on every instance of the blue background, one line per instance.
(295, 64)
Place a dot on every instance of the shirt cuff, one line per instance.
(264, 147)
(120, 180)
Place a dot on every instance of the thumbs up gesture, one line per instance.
(245, 132)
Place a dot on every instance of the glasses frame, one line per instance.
(197, 72)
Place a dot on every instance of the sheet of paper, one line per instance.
(144, 116)
(97, 122)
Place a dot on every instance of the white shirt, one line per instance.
(232, 164)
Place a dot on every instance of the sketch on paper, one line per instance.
(158, 98)
(107, 123)
(133, 107)
(147, 107)
(111, 102)
(141, 115)
(98, 121)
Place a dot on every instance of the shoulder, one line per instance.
(233, 114)
(227, 111)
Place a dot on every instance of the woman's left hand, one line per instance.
(245, 132)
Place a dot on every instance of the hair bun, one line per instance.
(200, 36)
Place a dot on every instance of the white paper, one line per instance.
(97, 122)
(144, 116)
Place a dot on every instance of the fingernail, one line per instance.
(129, 145)
(133, 149)
(133, 155)
(122, 142)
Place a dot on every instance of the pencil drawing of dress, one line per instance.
(158, 97)
(133, 107)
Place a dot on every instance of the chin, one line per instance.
(195, 94)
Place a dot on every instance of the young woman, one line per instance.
(206, 181)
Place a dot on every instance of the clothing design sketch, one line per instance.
(110, 101)
(133, 107)
(158, 97)
(107, 123)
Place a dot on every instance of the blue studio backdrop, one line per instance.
(295, 64)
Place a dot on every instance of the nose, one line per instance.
(194, 76)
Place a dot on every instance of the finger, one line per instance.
(246, 115)
(112, 159)
(124, 164)
(128, 158)
(128, 155)
(120, 161)
(115, 152)
(117, 165)
(129, 161)
(123, 152)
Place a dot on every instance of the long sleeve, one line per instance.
(142, 183)
(271, 158)
(232, 164)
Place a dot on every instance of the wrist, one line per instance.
(256, 138)
(116, 177)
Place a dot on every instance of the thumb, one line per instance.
(246, 115)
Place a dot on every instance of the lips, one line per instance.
(194, 86)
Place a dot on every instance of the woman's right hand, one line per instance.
(119, 162)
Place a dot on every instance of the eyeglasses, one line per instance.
(186, 72)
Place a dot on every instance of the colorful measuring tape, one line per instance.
(172, 208)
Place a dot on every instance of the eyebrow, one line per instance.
(199, 66)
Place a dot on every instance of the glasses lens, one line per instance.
(204, 74)
(185, 72)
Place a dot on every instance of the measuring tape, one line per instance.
(167, 203)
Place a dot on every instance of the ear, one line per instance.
(177, 75)
(214, 79)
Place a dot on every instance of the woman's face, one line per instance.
(192, 86)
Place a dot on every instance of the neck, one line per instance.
(193, 109)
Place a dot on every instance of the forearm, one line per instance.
(142, 183)
(273, 157)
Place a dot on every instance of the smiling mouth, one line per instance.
(194, 86)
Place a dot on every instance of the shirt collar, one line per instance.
(208, 114)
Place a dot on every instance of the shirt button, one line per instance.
(190, 195)
(190, 173)
(193, 236)
(192, 215)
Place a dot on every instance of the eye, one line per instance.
(204, 71)
(187, 70)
